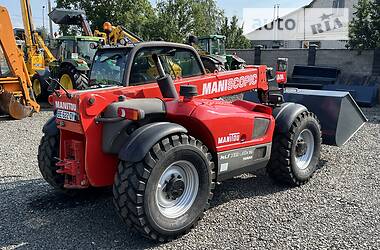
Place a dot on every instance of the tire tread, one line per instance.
(131, 180)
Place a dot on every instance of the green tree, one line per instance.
(135, 15)
(375, 23)
(177, 19)
(361, 30)
(234, 34)
(171, 20)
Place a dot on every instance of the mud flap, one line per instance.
(339, 114)
(9, 105)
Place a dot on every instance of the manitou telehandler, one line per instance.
(163, 144)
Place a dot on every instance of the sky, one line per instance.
(231, 7)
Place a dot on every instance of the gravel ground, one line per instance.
(339, 208)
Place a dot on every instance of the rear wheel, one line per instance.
(295, 153)
(48, 153)
(165, 195)
(47, 158)
(71, 78)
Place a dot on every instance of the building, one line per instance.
(321, 22)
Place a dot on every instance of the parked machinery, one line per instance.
(75, 53)
(212, 50)
(163, 144)
(38, 57)
(16, 93)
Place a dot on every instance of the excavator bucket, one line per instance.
(337, 111)
(9, 105)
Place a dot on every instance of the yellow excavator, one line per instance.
(117, 35)
(38, 57)
(16, 94)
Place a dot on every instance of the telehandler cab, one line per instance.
(162, 151)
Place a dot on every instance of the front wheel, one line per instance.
(295, 153)
(165, 195)
(71, 78)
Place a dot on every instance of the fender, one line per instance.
(143, 139)
(215, 59)
(50, 127)
(78, 64)
(286, 114)
(114, 135)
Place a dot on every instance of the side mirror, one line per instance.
(282, 64)
(281, 71)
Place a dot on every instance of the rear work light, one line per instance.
(131, 114)
(260, 127)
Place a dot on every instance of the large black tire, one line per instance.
(136, 188)
(79, 78)
(47, 158)
(41, 92)
(48, 152)
(289, 164)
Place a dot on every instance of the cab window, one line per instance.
(177, 62)
(108, 67)
(66, 49)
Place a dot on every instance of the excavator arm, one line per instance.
(38, 55)
(49, 57)
(114, 35)
(16, 95)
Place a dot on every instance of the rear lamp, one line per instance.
(260, 127)
(131, 114)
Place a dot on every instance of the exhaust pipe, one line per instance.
(164, 81)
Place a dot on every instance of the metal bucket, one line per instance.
(66, 16)
(337, 111)
(9, 105)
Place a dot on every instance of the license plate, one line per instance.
(66, 115)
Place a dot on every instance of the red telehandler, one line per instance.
(163, 144)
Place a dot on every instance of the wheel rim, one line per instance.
(304, 149)
(66, 81)
(177, 189)
(37, 87)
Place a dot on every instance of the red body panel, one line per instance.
(281, 77)
(211, 121)
(221, 126)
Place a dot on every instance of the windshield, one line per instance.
(218, 47)
(203, 43)
(108, 67)
(85, 50)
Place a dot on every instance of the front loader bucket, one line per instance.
(9, 105)
(66, 16)
(337, 111)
